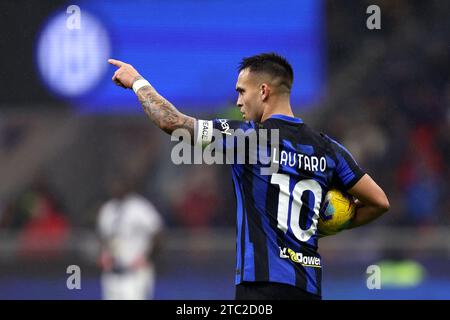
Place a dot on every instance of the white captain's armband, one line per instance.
(204, 133)
(139, 84)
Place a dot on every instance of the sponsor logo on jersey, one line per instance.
(298, 257)
(225, 126)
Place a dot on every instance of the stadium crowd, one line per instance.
(396, 122)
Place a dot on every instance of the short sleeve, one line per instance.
(102, 229)
(347, 172)
(150, 218)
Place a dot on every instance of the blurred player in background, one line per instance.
(277, 214)
(129, 228)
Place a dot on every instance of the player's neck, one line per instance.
(279, 108)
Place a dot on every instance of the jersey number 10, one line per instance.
(282, 180)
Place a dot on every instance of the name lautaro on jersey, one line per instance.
(287, 158)
(298, 160)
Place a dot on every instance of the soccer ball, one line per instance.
(336, 212)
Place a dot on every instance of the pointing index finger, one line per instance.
(116, 63)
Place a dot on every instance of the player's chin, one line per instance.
(248, 116)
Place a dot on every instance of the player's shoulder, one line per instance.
(291, 126)
(297, 129)
(334, 144)
(106, 211)
(327, 139)
(145, 212)
(141, 204)
(281, 120)
(108, 206)
(226, 124)
(320, 140)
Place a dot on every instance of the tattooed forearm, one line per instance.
(163, 113)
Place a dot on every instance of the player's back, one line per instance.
(278, 208)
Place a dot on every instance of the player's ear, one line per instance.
(264, 91)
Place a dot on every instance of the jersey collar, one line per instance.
(286, 118)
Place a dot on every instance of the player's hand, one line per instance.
(125, 75)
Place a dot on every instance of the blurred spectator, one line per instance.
(129, 228)
(41, 223)
(11, 133)
(396, 122)
(199, 198)
(419, 176)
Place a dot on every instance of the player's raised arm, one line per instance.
(157, 108)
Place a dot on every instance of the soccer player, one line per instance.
(130, 228)
(277, 214)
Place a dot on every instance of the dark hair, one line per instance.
(272, 64)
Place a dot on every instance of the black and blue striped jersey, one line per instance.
(277, 213)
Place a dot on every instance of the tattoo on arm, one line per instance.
(162, 112)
